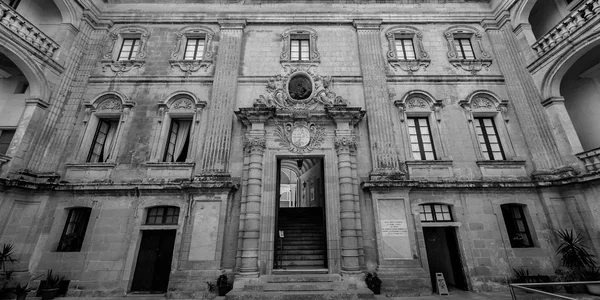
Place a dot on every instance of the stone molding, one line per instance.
(111, 55)
(482, 56)
(408, 65)
(192, 66)
(484, 103)
(419, 103)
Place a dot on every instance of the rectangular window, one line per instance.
(487, 135)
(464, 49)
(103, 141)
(405, 48)
(299, 47)
(194, 49)
(516, 226)
(6, 136)
(162, 215)
(129, 49)
(420, 139)
(178, 141)
(74, 231)
(435, 213)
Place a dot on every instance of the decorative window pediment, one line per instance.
(465, 49)
(126, 50)
(418, 104)
(405, 49)
(484, 104)
(193, 49)
(299, 47)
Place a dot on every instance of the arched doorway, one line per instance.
(14, 89)
(580, 86)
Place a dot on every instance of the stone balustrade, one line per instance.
(27, 31)
(567, 26)
(591, 159)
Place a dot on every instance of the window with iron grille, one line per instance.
(299, 47)
(420, 139)
(464, 48)
(487, 135)
(103, 141)
(129, 49)
(405, 48)
(178, 141)
(73, 234)
(516, 226)
(194, 48)
(435, 213)
(6, 136)
(162, 215)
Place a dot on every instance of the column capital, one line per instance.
(367, 24)
(232, 24)
(345, 144)
(255, 144)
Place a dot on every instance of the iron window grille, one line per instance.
(129, 49)
(73, 234)
(420, 139)
(516, 226)
(487, 135)
(194, 48)
(162, 215)
(464, 48)
(435, 213)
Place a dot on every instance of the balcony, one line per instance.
(572, 23)
(16, 23)
(591, 159)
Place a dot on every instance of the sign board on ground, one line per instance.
(441, 284)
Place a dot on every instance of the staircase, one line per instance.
(304, 244)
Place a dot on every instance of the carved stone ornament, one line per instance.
(191, 66)
(482, 103)
(300, 90)
(120, 67)
(182, 104)
(407, 65)
(254, 144)
(314, 56)
(482, 56)
(111, 104)
(416, 102)
(345, 143)
(300, 136)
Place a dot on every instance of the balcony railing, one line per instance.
(27, 31)
(591, 159)
(567, 26)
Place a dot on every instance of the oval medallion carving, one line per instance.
(300, 87)
(301, 136)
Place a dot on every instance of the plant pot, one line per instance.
(223, 290)
(48, 294)
(376, 289)
(21, 296)
(593, 288)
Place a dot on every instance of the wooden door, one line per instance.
(154, 261)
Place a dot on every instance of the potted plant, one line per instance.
(373, 283)
(222, 285)
(574, 256)
(50, 286)
(592, 274)
(6, 256)
(21, 291)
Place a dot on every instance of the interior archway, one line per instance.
(14, 89)
(580, 86)
(44, 14)
(544, 15)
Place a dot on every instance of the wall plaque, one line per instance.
(394, 228)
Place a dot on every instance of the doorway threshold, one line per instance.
(298, 271)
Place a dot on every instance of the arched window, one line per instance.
(162, 215)
(435, 213)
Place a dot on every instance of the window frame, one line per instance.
(489, 153)
(434, 213)
(110, 59)
(285, 57)
(2, 132)
(481, 57)
(421, 59)
(511, 226)
(83, 225)
(164, 215)
(420, 142)
(178, 58)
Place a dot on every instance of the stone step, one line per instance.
(316, 238)
(320, 243)
(302, 278)
(300, 295)
(306, 246)
(314, 262)
(302, 252)
(327, 286)
(285, 257)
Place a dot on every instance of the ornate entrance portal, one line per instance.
(299, 121)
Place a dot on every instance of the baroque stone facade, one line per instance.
(460, 130)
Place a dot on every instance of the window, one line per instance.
(178, 141)
(74, 231)
(489, 141)
(299, 47)
(194, 49)
(162, 215)
(405, 48)
(103, 141)
(14, 3)
(6, 136)
(420, 139)
(435, 213)
(129, 49)
(463, 48)
(516, 226)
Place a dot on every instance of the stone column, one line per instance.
(384, 155)
(215, 157)
(526, 100)
(240, 242)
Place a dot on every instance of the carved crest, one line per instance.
(299, 90)
(416, 102)
(482, 103)
(300, 136)
(182, 103)
(110, 104)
